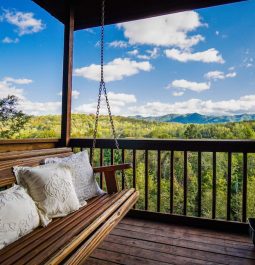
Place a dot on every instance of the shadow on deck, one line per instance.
(136, 241)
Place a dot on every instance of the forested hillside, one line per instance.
(83, 125)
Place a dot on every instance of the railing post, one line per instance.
(199, 184)
(244, 199)
(67, 79)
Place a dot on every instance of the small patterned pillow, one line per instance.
(84, 180)
(18, 215)
(51, 188)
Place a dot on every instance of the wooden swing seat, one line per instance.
(70, 239)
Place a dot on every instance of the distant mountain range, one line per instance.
(198, 118)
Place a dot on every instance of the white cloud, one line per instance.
(25, 22)
(208, 56)
(7, 87)
(133, 52)
(153, 53)
(218, 75)
(118, 102)
(245, 104)
(20, 81)
(118, 44)
(40, 108)
(168, 30)
(178, 94)
(188, 85)
(75, 94)
(114, 70)
(8, 40)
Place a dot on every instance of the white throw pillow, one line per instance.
(51, 188)
(84, 180)
(18, 215)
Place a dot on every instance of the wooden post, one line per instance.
(67, 79)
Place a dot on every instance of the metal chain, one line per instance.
(103, 87)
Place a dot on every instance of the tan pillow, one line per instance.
(18, 215)
(51, 188)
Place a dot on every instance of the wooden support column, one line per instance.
(67, 79)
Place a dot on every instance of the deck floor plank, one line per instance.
(138, 242)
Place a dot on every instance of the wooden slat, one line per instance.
(146, 188)
(32, 153)
(199, 184)
(244, 193)
(27, 144)
(123, 205)
(158, 180)
(48, 244)
(67, 78)
(214, 198)
(24, 244)
(171, 182)
(185, 182)
(6, 171)
(86, 249)
(229, 177)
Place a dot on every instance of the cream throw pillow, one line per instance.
(84, 180)
(18, 215)
(51, 188)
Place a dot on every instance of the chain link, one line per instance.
(102, 86)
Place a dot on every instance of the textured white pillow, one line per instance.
(51, 188)
(84, 180)
(18, 215)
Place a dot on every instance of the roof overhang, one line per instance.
(88, 13)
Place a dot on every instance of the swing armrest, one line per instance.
(112, 168)
(109, 174)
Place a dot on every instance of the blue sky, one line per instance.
(198, 61)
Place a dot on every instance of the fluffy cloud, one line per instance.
(149, 54)
(208, 56)
(216, 75)
(178, 93)
(8, 87)
(8, 40)
(245, 104)
(169, 30)
(118, 102)
(118, 44)
(188, 85)
(114, 70)
(20, 81)
(133, 52)
(40, 108)
(75, 94)
(25, 22)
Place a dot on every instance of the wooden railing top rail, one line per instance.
(204, 145)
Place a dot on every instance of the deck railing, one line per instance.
(183, 148)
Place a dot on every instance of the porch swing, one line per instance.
(70, 239)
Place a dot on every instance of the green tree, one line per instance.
(12, 120)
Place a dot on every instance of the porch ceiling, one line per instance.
(87, 13)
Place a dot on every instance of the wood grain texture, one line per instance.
(139, 241)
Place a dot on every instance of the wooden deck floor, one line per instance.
(141, 242)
